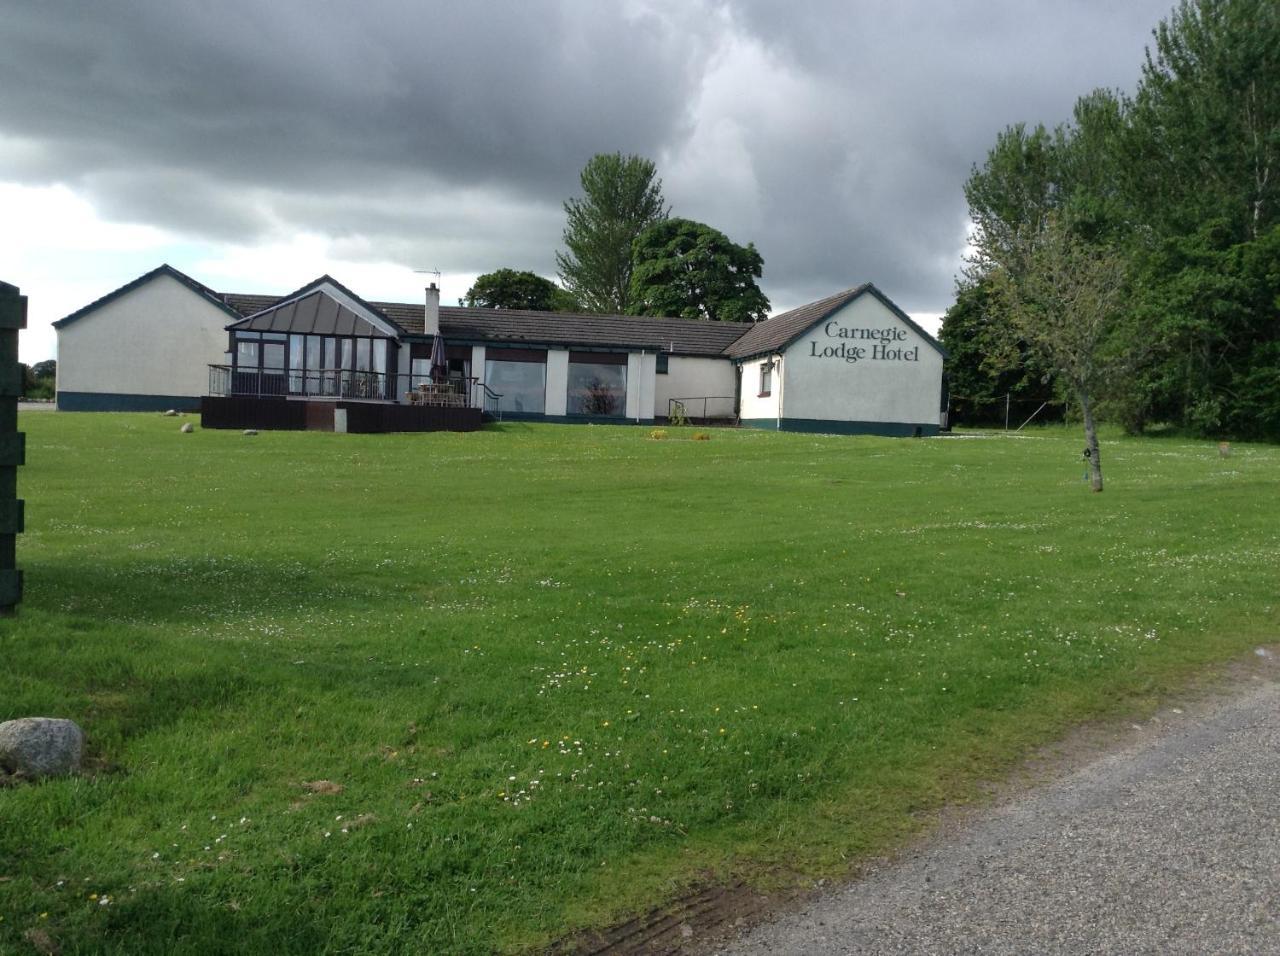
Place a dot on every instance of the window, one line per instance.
(247, 355)
(312, 384)
(766, 379)
(295, 363)
(661, 366)
(597, 384)
(329, 359)
(420, 371)
(522, 385)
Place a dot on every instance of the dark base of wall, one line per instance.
(371, 417)
(827, 427)
(573, 419)
(281, 414)
(119, 402)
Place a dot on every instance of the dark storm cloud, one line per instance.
(834, 135)
(892, 103)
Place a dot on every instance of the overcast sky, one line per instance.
(256, 144)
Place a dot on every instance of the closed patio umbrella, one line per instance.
(439, 363)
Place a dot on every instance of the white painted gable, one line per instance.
(863, 363)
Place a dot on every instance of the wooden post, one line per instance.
(13, 317)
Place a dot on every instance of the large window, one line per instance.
(296, 378)
(520, 377)
(277, 364)
(597, 384)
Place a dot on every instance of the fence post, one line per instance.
(13, 317)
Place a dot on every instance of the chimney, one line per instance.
(431, 322)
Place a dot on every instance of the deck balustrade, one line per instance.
(345, 384)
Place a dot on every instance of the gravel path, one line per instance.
(1169, 846)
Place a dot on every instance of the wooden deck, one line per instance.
(282, 414)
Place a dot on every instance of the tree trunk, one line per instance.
(1092, 455)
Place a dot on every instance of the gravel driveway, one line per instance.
(1171, 845)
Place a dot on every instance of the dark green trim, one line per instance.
(113, 402)
(558, 346)
(573, 419)
(198, 288)
(820, 426)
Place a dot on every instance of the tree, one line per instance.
(1064, 296)
(509, 289)
(38, 380)
(1016, 188)
(1208, 110)
(687, 269)
(1183, 182)
(622, 197)
(989, 366)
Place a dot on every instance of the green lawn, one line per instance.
(561, 672)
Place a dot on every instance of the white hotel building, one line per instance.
(322, 357)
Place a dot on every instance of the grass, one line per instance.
(560, 673)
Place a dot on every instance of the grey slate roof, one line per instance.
(677, 336)
(775, 334)
(249, 304)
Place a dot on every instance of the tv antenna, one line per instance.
(429, 272)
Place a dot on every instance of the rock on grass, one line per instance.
(41, 746)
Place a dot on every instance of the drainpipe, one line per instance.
(778, 370)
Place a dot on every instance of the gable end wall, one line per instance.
(831, 388)
(158, 339)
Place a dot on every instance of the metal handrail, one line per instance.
(491, 402)
(332, 383)
(682, 405)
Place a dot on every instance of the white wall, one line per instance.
(753, 405)
(695, 378)
(557, 398)
(404, 367)
(477, 369)
(641, 371)
(157, 339)
(903, 385)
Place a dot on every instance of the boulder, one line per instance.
(40, 746)
(251, 431)
(171, 413)
(187, 428)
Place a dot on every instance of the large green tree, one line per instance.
(1207, 112)
(688, 269)
(509, 289)
(1182, 181)
(621, 197)
(992, 373)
